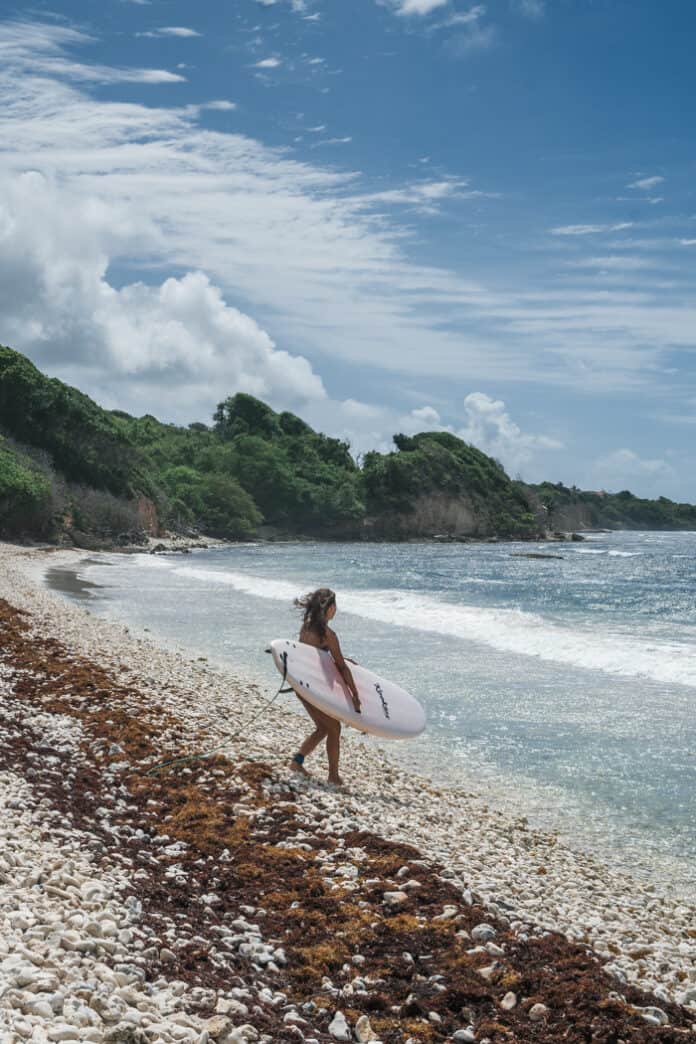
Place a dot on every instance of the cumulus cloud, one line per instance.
(305, 248)
(425, 418)
(268, 63)
(490, 427)
(618, 469)
(59, 305)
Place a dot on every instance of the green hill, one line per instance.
(436, 484)
(71, 470)
(572, 508)
(69, 466)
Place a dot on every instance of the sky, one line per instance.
(385, 215)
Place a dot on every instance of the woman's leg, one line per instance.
(333, 750)
(321, 722)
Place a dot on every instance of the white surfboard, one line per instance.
(387, 710)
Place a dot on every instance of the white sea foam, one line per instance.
(508, 630)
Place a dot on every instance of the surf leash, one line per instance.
(228, 739)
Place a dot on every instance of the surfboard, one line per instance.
(387, 710)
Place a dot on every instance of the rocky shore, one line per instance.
(227, 900)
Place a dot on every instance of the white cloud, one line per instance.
(587, 230)
(534, 9)
(460, 18)
(171, 30)
(618, 469)
(332, 141)
(417, 7)
(688, 242)
(646, 183)
(297, 6)
(488, 426)
(38, 48)
(428, 196)
(308, 249)
(268, 63)
(58, 304)
(613, 263)
(423, 418)
(220, 105)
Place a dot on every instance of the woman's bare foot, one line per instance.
(336, 781)
(296, 767)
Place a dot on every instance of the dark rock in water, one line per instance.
(576, 537)
(533, 554)
(157, 549)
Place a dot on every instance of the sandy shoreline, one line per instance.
(480, 867)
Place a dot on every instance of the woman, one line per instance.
(319, 608)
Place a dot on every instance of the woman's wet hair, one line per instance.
(315, 606)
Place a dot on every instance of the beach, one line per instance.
(229, 900)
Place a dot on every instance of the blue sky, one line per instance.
(386, 216)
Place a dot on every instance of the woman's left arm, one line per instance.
(342, 667)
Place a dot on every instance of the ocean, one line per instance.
(564, 689)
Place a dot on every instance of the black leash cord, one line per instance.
(228, 739)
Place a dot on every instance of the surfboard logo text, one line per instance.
(385, 705)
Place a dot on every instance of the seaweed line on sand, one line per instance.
(246, 887)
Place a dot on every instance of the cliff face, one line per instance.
(433, 514)
(572, 516)
(147, 514)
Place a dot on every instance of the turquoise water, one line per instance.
(566, 689)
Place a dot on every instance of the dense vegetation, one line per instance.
(26, 501)
(252, 466)
(440, 463)
(69, 468)
(83, 440)
(603, 510)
